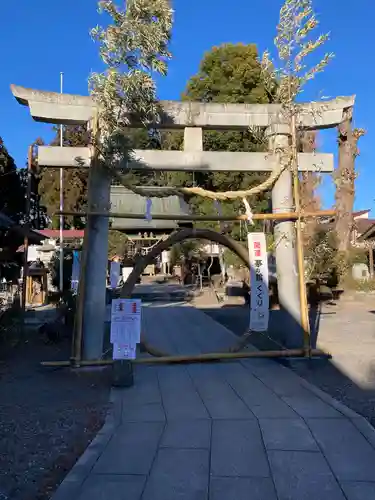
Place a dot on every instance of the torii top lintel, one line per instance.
(69, 109)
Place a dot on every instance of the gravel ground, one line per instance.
(47, 417)
(347, 331)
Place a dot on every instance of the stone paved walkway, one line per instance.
(238, 430)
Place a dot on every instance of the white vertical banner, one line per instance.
(115, 273)
(75, 270)
(259, 296)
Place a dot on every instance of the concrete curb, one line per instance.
(359, 421)
(70, 486)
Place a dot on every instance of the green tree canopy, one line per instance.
(75, 180)
(230, 73)
(37, 213)
(12, 193)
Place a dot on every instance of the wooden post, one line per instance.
(304, 311)
(76, 356)
(371, 259)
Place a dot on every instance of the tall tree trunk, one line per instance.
(345, 176)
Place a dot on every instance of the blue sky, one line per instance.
(41, 38)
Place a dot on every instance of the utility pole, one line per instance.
(61, 202)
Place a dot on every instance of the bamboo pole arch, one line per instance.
(178, 237)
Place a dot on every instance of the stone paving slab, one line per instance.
(248, 429)
(303, 475)
(339, 439)
(176, 385)
(237, 449)
(187, 434)
(359, 491)
(179, 474)
(220, 399)
(287, 434)
(261, 400)
(309, 406)
(113, 487)
(242, 488)
(131, 449)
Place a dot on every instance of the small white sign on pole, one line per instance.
(259, 298)
(125, 327)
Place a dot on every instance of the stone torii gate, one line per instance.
(193, 118)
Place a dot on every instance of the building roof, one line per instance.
(361, 212)
(362, 225)
(68, 234)
(8, 224)
(327, 220)
(125, 201)
(369, 233)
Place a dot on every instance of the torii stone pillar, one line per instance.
(285, 246)
(97, 229)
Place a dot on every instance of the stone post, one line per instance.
(193, 139)
(94, 308)
(371, 258)
(285, 250)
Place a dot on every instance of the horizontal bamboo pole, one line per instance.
(212, 356)
(206, 218)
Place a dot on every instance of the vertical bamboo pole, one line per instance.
(371, 259)
(305, 323)
(76, 356)
(27, 226)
